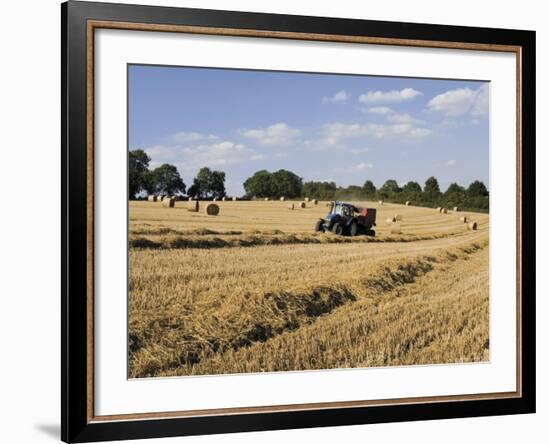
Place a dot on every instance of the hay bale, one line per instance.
(380, 202)
(306, 199)
(455, 208)
(472, 226)
(212, 209)
(463, 219)
(398, 217)
(152, 198)
(282, 198)
(215, 199)
(302, 204)
(190, 199)
(167, 202)
(234, 198)
(223, 199)
(444, 210)
(391, 220)
(266, 199)
(408, 203)
(291, 206)
(438, 209)
(193, 205)
(395, 229)
(175, 198)
(315, 202)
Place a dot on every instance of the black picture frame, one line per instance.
(76, 423)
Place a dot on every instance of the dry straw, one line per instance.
(315, 201)
(152, 198)
(193, 205)
(408, 203)
(455, 208)
(291, 206)
(444, 210)
(472, 226)
(302, 204)
(391, 220)
(398, 217)
(463, 219)
(212, 209)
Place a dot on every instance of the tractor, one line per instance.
(345, 219)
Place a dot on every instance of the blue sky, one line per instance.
(333, 127)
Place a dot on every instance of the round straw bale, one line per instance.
(266, 199)
(291, 206)
(395, 229)
(190, 198)
(302, 204)
(215, 199)
(224, 199)
(381, 202)
(443, 210)
(315, 202)
(408, 203)
(193, 205)
(472, 226)
(212, 209)
(282, 198)
(463, 219)
(398, 217)
(167, 202)
(438, 209)
(306, 199)
(455, 208)
(152, 198)
(234, 198)
(391, 220)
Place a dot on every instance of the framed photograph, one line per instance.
(275, 221)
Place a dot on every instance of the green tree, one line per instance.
(138, 167)
(412, 188)
(477, 189)
(391, 187)
(319, 190)
(166, 180)
(431, 189)
(261, 184)
(369, 189)
(208, 183)
(286, 184)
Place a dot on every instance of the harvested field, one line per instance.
(254, 289)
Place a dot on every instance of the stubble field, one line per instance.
(254, 289)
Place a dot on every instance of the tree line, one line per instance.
(207, 184)
(286, 183)
(166, 180)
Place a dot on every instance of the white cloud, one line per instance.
(184, 137)
(394, 96)
(355, 168)
(340, 96)
(380, 110)
(277, 134)
(257, 157)
(458, 102)
(402, 118)
(335, 133)
(451, 162)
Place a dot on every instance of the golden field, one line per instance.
(254, 289)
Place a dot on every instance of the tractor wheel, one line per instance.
(338, 229)
(371, 232)
(319, 225)
(353, 229)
